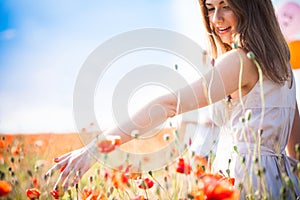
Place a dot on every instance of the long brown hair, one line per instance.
(257, 31)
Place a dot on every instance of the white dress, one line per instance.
(238, 147)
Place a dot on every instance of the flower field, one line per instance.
(24, 160)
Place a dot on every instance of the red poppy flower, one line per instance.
(200, 165)
(33, 193)
(16, 150)
(91, 194)
(5, 188)
(62, 168)
(214, 186)
(86, 192)
(35, 182)
(145, 183)
(109, 144)
(124, 178)
(115, 181)
(182, 167)
(229, 180)
(135, 175)
(119, 180)
(55, 194)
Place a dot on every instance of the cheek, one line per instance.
(234, 21)
(231, 17)
(210, 19)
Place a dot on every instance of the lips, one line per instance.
(223, 30)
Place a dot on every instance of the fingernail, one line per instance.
(55, 159)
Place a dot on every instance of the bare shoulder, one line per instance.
(230, 65)
(235, 57)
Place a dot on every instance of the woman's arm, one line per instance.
(221, 81)
(295, 136)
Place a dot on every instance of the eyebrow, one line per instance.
(209, 4)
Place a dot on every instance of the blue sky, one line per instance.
(44, 43)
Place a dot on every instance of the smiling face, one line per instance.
(222, 19)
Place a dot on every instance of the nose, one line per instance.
(217, 17)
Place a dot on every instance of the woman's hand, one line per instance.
(73, 165)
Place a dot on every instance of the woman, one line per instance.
(258, 141)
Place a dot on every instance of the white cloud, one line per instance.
(53, 40)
